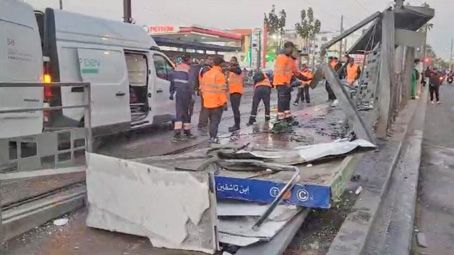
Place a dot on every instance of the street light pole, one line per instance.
(61, 4)
(127, 16)
(450, 55)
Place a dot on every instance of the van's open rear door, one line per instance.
(106, 71)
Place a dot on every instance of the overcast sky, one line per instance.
(249, 13)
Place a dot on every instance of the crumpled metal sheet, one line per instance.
(306, 154)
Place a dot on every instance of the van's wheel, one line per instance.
(450, 80)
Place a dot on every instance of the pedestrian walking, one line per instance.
(262, 93)
(435, 81)
(203, 116)
(181, 86)
(214, 93)
(236, 90)
(303, 89)
(284, 69)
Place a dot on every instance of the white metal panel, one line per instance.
(174, 209)
(20, 61)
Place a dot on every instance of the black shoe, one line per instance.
(177, 138)
(251, 121)
(189, 135)
(234, 128)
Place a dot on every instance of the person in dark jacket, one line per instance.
(181, 86)
(336, 65)
(436, 78)
(236, 90)
(262, 92)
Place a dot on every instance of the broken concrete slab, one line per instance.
(173, 209)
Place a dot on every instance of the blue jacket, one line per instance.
(180, 81)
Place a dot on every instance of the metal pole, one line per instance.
(259, 51)
(424, 52)
(450, 55)
(61, 4)
(399, 3)
(341, 31)
(127, 16)
(350, 31)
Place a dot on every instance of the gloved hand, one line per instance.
(171, 97)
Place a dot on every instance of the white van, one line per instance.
(127, 72)
(20, 61)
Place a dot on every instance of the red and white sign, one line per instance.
(163, 29)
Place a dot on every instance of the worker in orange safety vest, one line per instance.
(262, 92)
(236, 90)
(214, 93)
(303, 89)
(284, 69)
(353, 72)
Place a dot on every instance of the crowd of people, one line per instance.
(217, 82)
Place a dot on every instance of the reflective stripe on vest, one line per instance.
(283, 70)
(264, 82)
(214, 89)
(235, 83)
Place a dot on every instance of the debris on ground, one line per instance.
(61, 222)
(358, 190)
(421, 240)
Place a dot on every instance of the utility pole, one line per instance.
(399, 3)
(450, 55)
(61, 4)
(341, 31)
(127, 16)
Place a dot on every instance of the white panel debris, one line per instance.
(173, 209)
(304, 154)
(242, 226)
(240, 208)
(241, 241)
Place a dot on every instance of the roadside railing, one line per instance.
(49, 149)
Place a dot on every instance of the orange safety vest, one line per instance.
(214, 88)
(308, 74)
(284, 69)
(264, 82)
(235, 83)
(352, 72)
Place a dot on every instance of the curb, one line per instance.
(400, 233)
(354, 232)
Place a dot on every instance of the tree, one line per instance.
(308, 27)
(275, 22)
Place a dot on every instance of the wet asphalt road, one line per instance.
(75, 238)
(435, 206)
